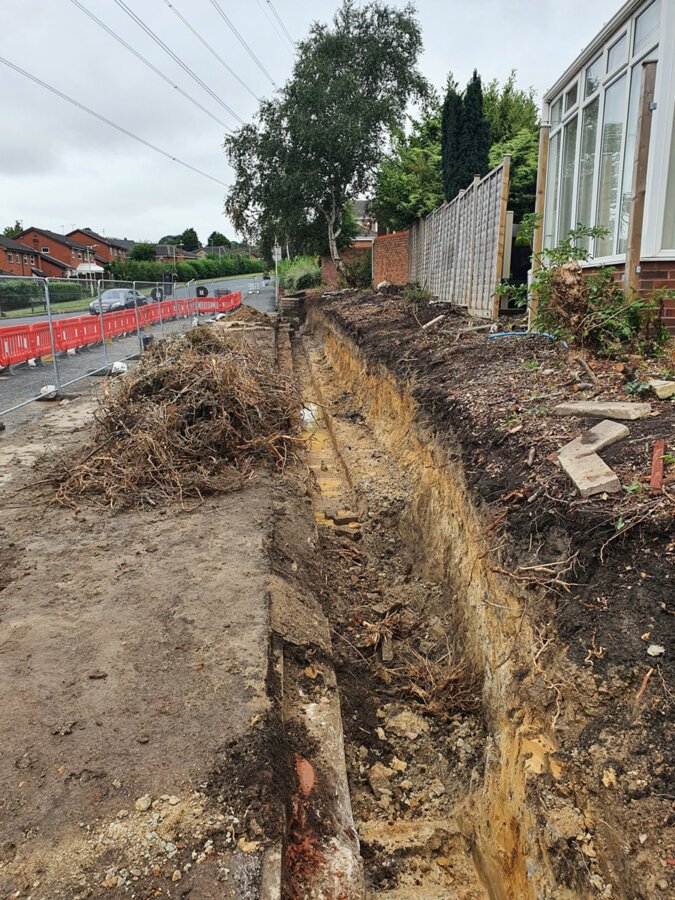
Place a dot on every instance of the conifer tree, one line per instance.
(474, 141)
(451, 123)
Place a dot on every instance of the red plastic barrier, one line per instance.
(15, 344)
(227, 302)
(41, 343)
(90, 329)
(67, 334)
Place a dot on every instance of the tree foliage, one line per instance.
(317, 145)
(451, 129)
(474, 136)
(409, 183)
(11, 231)
(217, 239)
(143, 251)
(524, 150)
(190, 240)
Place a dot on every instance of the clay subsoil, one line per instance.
(574, 759)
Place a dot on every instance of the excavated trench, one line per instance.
(446, 761)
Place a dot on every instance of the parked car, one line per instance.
(266, 278)
(116, 299)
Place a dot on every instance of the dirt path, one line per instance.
(133, 657)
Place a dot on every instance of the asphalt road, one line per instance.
(218, 286)
(24, 383)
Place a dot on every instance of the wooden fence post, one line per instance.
(639, 185)
(538, 237)
(502, 231)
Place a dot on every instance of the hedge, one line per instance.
(24, 293)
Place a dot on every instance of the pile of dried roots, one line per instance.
(197, 416)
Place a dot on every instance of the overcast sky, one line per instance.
(61, 169)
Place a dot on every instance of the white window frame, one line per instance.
(660, 142)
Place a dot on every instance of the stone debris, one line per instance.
(604, 409)
(590, 474)
(662, 389)
(595, 439)
(144, 803)
(581, 462)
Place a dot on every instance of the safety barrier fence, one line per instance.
(52, 353)
(21, 343)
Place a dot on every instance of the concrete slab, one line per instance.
(595, 439)
(590, 474)
(610, 409)
(662, 389)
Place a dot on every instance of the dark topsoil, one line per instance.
(491, 402)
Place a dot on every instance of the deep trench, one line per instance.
(486, 835)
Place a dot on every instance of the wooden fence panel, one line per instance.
(456, 252)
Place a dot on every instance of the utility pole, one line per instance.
(277, 257)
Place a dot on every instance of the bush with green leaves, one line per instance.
(588, 309)
(299, 274)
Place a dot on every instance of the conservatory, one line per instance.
(593, 115)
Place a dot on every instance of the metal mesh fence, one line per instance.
(56, 332)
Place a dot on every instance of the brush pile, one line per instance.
(197, 416)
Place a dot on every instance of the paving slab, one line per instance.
(662, 389)
(610, 409)
(590, 474)
(595, 439)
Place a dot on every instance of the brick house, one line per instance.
(170, 252)
(60, 247)
(591, 131)
(108, 249)
(17, 258)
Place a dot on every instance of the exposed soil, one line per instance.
(584, 586)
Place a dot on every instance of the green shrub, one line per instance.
(299, 274)
(67, 291)
(360, 272)
(20, 294)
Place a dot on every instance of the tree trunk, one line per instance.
(333, 235)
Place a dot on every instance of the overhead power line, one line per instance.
(219, 10)
(145, 62)
(211, 50)
(280, 21)
(160, 43)
(112, 124)
(274, 25)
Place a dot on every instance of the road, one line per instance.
(221, 286)
(24, 382)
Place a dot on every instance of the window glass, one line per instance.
(628, 156)
(587, 165)
(611, 164)
(617, 53)
(44, 250)
(593, 73)
(571, 97)
(556, 112)
(668, 238)
(567, 177)
(647, 27)
(10, 257)
(551, 210)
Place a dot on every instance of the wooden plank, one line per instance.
(539, 205)
(656, 481)
(639, 186)
(501, 236)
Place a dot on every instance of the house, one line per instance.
(211, 250)
(107, 248)
(592, 138)
(364, 216)
(82, 259)
(173, 253)
(17, 258)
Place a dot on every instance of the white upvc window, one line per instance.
(10, 257)
(593, 133)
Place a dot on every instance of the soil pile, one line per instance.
(248, 314)
(197, 416)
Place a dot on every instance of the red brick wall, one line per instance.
(655, 275)
(329, 274)
(105, 251)
(391, 258)
(17, 266)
